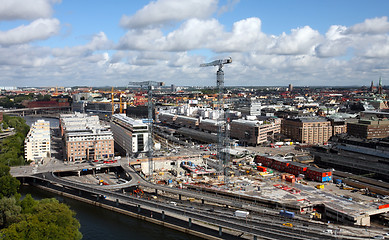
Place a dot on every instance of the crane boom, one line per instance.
(219, 62)
(150, 85)
(147, 83)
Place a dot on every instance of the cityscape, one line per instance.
(199, 120)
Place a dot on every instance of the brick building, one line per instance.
(307, 130)
(369, 129)
(254, 132)
(85, 138)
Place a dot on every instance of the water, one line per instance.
(101, 224)
(54, 122)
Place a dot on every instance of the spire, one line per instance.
(380, 86)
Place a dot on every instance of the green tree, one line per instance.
(9, 185)
(9, 211)
(28, 204)
(49, 219)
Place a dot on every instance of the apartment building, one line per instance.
(307, 130)
(130, 135)
(37, 142)
(85, 138)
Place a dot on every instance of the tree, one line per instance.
(48, 219)
(28, 204)
(9, 211)
(9, 186)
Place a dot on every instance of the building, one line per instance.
(37, 142)
(307, 130)
(1, 117)
(130, 135)
(85, 139)
(248, 107)
(339, 126)
(254, 132)
(369, 128)
(290, 88)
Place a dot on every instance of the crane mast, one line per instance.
(150, 86)
(223, 133)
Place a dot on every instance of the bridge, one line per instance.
(44, 111)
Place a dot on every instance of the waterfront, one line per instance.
(100, 224)
(54, 122)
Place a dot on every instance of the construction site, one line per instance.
(330, 201)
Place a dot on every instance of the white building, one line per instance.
(37, 143)
(130, 134)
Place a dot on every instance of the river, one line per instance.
(101, 224)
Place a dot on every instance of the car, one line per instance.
(288, 224)
(378, 237)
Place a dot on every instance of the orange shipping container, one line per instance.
(383, 206)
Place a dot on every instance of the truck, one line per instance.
(284, 213)
(240, 213)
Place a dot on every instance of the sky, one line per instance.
(271, 42)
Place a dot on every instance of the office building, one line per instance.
(130, 135)
(85, 138)
(307, 130)
(369, 128)
(256, 132)
(37, 142)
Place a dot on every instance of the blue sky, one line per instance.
(272, 43)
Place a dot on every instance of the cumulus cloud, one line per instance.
(300, 41)
(143, 39)
(37, 30)
(25, 9)
(246, 35)
(371, 26)
(167, 11)
(193, 34)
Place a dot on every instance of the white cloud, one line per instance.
(146, 39)
(246, 35)
(300, 41)
(167, 11)
(25, 9)
(37, 30)
(371, 26)
(193, 34)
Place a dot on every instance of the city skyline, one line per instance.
(304, 43)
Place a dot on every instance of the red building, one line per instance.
(265, 161)
(280, 164)
(37, 104)
(318, 174)
(297, 168)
